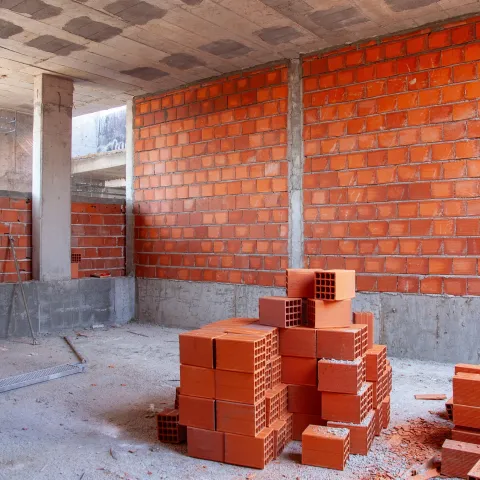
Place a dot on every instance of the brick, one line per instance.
(301, 421)
(299, 371)
(253, 452)
(276, 363)
(197, 381)
(466, 368)
(197, 348)
(341, 376)
(385, 412)
(300, 283)
(280, 311)
(325, 447)
(342, 343)
(241, 353)
(335, 284)
(458, 458)
(298, 342)
(197, 412)
(304, 399)
(276, 403)
(366, 318)
(465, 416)
(206, 444)
(240, 418)
(323, 314)
(240, 387)
(264, 331)
(449, 408)
(378, 418)
(474, 473)
(376, 362)
(468, 435)
(361, 435)
(168, 428)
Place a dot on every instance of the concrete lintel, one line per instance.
(129, 188)
(99, 162)
(295, 165)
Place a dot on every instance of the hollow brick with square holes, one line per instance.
(276, 364)
(240, 387)
(361, 435)
(241, 418)
(366, 318)
(280, 312)
(465, 416)
(269, 333)
(325, 447)
(335, 285)
(458, 458)
(197, 348)
(300, 421)
(341, 376)
(378, 420)
(240, 353)
(298, 342)
(288, 418)
(376, 362)
(466, 389)
(268, 375)
(324, 314)
(342, 343)
(474, 473)
(197, 381)
(380, 389)
(206, 444)
(276, 403)
(304, 399)
(449, 408)
(342, 407)
(386, 412)
(299, 371)
(196, 412)
(168, 428)
(279, 428)
(300, 283)
(253, 452)
(465, 434)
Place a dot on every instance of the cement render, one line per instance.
(423, 327)
(61, 305)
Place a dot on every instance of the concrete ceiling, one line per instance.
(115, 49)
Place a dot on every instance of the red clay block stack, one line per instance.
(461, 454)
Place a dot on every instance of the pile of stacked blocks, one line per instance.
(307, 369)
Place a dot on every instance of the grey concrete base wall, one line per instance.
(424, 327)
(63, 305)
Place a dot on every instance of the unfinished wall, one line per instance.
(98, 234)
(392, 171)
(211, 181)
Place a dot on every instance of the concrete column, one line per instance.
(295, 164)
(51, 177)
(129, 193)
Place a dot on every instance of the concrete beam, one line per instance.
(100, 166)
(52, 166)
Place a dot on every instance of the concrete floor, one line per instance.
(97, 425)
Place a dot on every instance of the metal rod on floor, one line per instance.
(77, 353)
(12, 245)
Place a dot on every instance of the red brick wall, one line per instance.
(98, 234)
(210, 181)
(392, 169)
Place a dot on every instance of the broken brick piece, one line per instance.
(197, 381)
(325, 447)
(335, 284)
(281, 312)
(300, 421)
(366, 318)
(465, 416)
(168, 428)
(361, 435)
(304, 399)
(468, 435)
(324, 314)
(466, 389)
(346, 343)
(241, 418)
(197, 348)
(298, 342)
(376, 362)
(240, 387)
(458, 458)
(299, 371)
(341, 376)
(197, 412)
(241, 353)
(253, 452)
(342, 407)
(300, 282)
(206, 444)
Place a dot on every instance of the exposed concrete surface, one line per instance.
(55, 306)
(192, 304)
(129, 188)
(97, 424)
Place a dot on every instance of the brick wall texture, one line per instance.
(211, 181)
(98, 234)
(392, 169)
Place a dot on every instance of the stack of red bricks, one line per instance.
(461, 454)
(306, 370)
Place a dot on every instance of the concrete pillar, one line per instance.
(295, 164)
(51, 177)
(129, 191)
